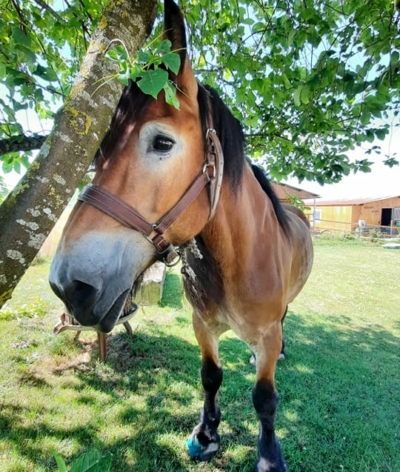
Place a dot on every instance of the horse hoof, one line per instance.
(264, 465)
(199, 451)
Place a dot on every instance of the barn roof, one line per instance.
(350, 201)
(283, 190)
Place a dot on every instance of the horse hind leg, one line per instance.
(265, 401)
(204, 441)
(282, 355)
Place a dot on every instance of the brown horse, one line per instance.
(177, 181)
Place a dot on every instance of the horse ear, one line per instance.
(174, 30)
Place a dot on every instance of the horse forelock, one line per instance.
(131, 104)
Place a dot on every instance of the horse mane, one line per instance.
(215, 114)
(267, 187)
(230, 133)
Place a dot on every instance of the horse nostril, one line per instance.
(80, 300)
(80, 294)
(56, 290)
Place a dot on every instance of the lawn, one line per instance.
(339, 385)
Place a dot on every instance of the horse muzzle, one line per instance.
(95, 276)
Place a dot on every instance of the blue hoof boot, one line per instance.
(201, 452)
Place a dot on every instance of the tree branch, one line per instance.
(44, 5)
(21, 143)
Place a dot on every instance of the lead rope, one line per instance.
(187, 272)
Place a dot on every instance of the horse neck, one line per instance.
(240, 222)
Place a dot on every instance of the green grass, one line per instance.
(339, 386)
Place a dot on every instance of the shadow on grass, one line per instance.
(338, 409)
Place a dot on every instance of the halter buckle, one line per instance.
(212, 165)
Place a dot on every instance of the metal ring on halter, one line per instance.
(210, 130)
(174, 261)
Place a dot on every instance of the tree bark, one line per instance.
(29, 213)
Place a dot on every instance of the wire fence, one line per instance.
(334, 227)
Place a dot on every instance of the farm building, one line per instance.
(286, 192)
(382, 214)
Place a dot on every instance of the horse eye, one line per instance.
(162, 144)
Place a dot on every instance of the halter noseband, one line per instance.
(128, 216)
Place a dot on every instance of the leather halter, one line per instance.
(128, 216)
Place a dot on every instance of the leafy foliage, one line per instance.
(150, 69)
(41, 51)
(309, 80)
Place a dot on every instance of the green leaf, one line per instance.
(286, 81)
(104, 464)
(86, 461)
(164, 46)
(297, 96)
(124, 76)
(27, 53)
(172, 61)
(153, 81)
(60, 463)
(20, 37)
(170, 95)
(46, 73)
(143, 56)
(2, 71)
(381, 133)
(118, 53)
(291, 36)
(305, 94)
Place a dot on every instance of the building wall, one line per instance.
(335, 218)
(371, 212)
(345, 218)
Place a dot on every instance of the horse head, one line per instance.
(151, 156)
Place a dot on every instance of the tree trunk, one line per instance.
(31, 210)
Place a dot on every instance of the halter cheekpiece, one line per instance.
(128, 216)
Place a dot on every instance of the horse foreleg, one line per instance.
(282, 355)
(204, 441)
(265, 401)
